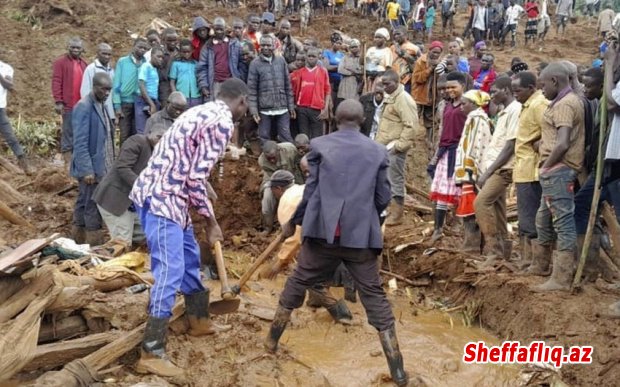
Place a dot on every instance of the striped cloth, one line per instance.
(175, 178)
(531, 27)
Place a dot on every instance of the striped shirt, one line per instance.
(175, 178)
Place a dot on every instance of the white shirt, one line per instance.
(505, 130)
(512, 14)
(613, 143)
(479, 22)
(5, 71)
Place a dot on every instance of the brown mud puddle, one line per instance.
(431, 342)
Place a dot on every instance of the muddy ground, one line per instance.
(430, 317)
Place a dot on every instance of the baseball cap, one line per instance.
(269, 18)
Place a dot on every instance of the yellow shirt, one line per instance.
(392, 11)
(286, 208)
(529, 131)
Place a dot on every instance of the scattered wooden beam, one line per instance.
(66, 189)
(10, 195)
(62, 329)
(614, 232)
(9, 166)
(13, 217)
(57, 354)
(405, 280)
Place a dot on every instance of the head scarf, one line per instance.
(383, 32)
(479, 45)
(460, 43)
(354, 43)
(436, 44)
(519, 67)
(480, 98)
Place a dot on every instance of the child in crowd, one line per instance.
(147, 103)
(183, 75)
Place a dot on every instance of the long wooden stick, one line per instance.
(597, 192)
(259, 261)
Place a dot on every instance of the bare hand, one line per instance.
(89, 179)
(293, 114)
(119, 114)
(205, 92)
(256, 118)
(214, 234)
(324, 115)
(482, 180)
(288, 229)
(59, 108)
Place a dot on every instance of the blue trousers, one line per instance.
(583, 201)
(175, 261)
(556, 215)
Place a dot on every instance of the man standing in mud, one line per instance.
(174, 181)
(340, 223)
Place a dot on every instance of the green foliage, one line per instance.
(36, 137)
(27, 18)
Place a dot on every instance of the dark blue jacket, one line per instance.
(205, 69)
(89, 137)
(348, 186)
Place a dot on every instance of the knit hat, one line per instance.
(383, 32)
(478, 97)
(281, 178)
(436, 44)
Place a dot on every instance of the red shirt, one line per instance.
(310, 87)
(453, 122)
(531, 9)
(64, 74)
(222, 67)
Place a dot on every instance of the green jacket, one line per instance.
(399, 120)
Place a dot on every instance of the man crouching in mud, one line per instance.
(347, 189)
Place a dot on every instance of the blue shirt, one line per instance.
(405, 6)
(148, 74)
(334, 59)
(463, 65)
(125, 86)
(184, 74)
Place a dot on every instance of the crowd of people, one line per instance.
(536, 126)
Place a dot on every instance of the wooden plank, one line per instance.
(57, 354)
(25, 251)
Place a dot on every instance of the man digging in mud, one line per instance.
(340, 224)
(173, 181)
(289, 194)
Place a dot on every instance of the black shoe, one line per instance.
(389, 342)
(340, 312)
(280, 320)
(350, 294)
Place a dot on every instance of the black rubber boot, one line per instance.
(389, 342)
(340, 313)
(440, 218)
(197, 313)
(473, 238)
(278, 325)
(153, 358)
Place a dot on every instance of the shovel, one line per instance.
(228, 303)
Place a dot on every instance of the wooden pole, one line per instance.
(597, 193)
(13, 217)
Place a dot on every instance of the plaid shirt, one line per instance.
(175, 178)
